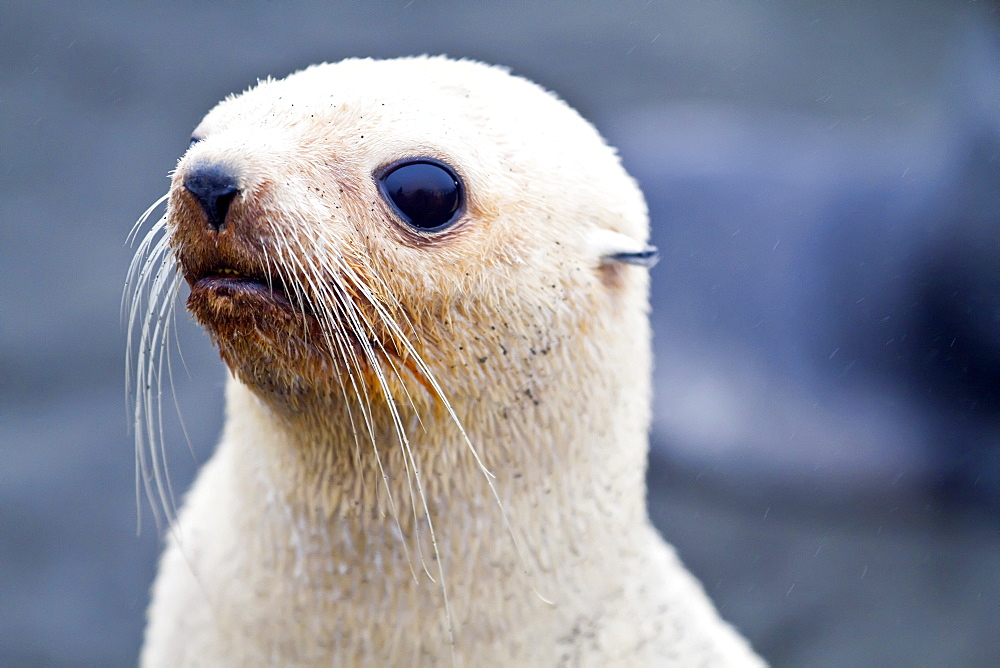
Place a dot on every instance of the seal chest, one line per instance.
(428, 280)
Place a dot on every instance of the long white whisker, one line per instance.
(170, 371)
(152, 398)
(147, 257)
(407, 448)
(142, 219)
(329, 323)
(164, 359)
(400, 336)
(151, 275)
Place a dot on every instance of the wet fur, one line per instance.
(435, 445)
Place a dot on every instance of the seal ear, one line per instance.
(615, 247)
(644, 258)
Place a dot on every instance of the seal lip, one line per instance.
(422, 233)
(220, 279)
(221, 285)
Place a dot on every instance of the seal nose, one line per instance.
(214, 188)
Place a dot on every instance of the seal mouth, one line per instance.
(226, 282)
(232, 302)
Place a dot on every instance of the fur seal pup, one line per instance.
(427, 279)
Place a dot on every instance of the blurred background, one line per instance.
(824, 186)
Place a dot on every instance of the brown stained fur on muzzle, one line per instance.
(290, 326)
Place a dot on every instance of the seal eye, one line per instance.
(425, 193)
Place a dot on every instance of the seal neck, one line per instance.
(355, 464)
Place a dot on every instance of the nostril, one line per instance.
(214, 188)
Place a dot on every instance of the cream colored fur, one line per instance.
(305, 540)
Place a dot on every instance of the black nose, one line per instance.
(214, 187)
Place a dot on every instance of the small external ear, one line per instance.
(615, 247)
(647, 257)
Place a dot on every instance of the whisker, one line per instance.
(145, 216)
(330, 323)
(400, 336)
(148, 302)
(158, 281)
(409, 459)
(147, 257)
(352, 317)
(152, 398)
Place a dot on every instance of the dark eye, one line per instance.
(194, 140)
(425, 193)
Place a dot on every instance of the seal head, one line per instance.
(428, 279)
(283, 219)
